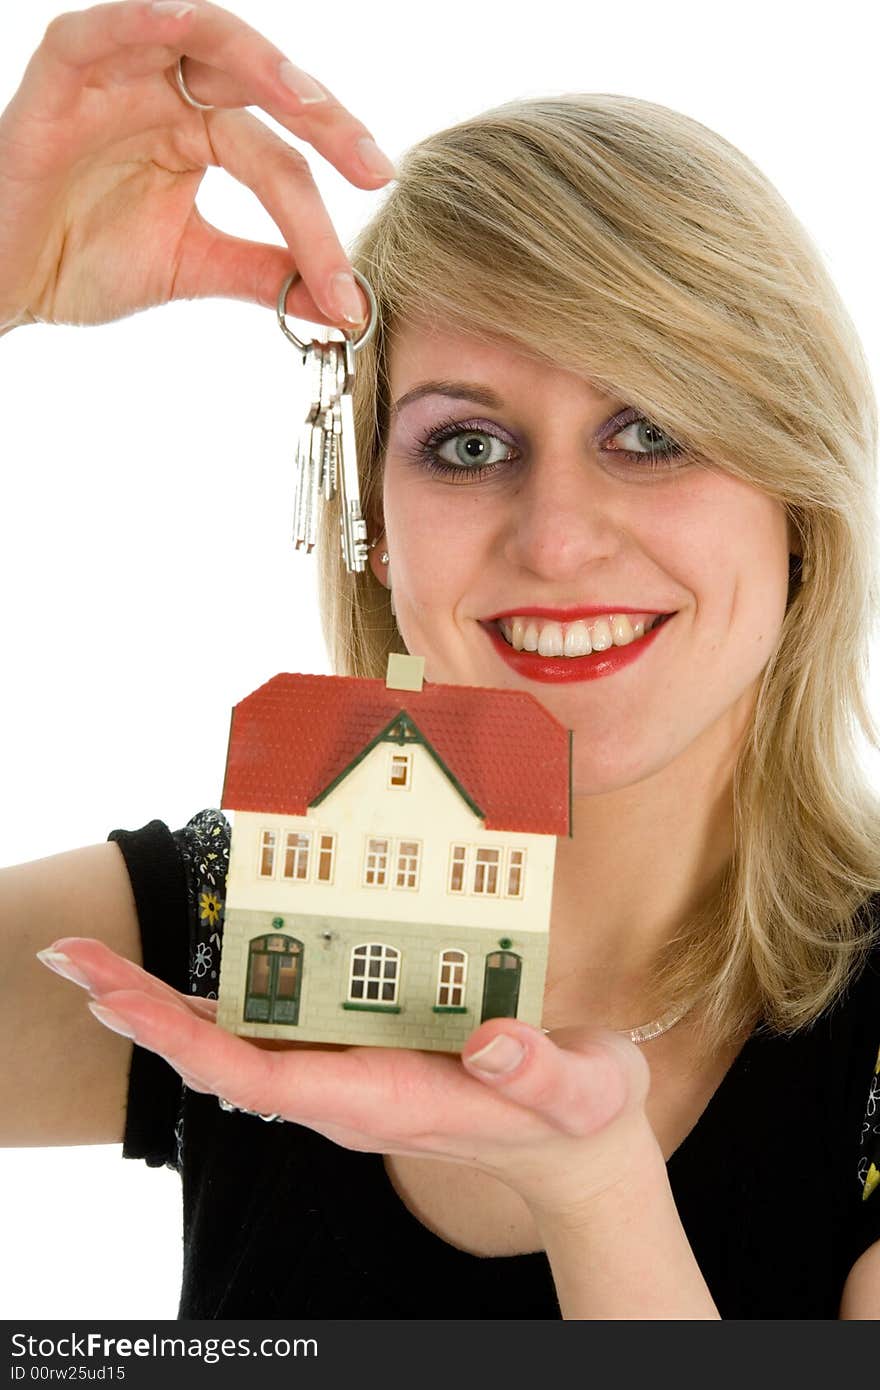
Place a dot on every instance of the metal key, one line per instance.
(326, 460)
(352, 524)
(309, 453)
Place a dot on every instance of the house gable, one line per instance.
(403, 731)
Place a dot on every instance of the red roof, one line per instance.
(296, 733)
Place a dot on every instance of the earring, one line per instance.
(384, 557)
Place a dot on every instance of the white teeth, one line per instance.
(549, 638)
(600, 635)
(577, 640)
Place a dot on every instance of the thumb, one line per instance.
(579, 1087)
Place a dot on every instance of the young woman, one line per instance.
(611, 374)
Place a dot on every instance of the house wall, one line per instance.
(326, 962)
(430, 810)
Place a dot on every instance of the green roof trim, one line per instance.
(402, 730)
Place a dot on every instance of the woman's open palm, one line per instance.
(101, 159)
(560, 1126)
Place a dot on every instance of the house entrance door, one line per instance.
(501, 985)
(274, 980)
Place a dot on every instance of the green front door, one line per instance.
(501, 985)
(274, 980)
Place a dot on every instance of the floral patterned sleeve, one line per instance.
(203, 845)
(204, 848)
(869, 1153)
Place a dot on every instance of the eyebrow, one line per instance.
(457, 390)
(462, 391)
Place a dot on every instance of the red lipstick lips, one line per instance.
(559, 669)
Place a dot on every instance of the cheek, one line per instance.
(726, 544)
(434, 554)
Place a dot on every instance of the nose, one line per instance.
(566, 517)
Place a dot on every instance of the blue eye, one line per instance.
(473, 454)
(655, 444)
(471, 446)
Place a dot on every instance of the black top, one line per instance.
(776, 1186)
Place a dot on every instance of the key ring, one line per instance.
(355, 343)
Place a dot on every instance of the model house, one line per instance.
(391, 863)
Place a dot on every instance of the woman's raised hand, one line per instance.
(562, 1126)
(101, 159)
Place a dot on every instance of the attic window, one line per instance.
(400, 769)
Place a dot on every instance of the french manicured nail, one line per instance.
(373, 160)
(111, 1020)
(347, 297)
(173, 8)
(63, 965)
(306, 88)
(500, 1055)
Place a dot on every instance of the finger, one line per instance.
(202, 1052)
(579, 1091)
(282, 180)
(93, 965)
(228, 64)
(351, 1089)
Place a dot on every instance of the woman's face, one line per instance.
(561, 517)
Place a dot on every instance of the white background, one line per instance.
(146, 570)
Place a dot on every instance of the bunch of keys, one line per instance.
(326, 461)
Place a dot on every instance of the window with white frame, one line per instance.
(486, 870)
(268, 846)
(457, 862)
(376, 866)
(479, 869)
(326, 857)
(516, 860)
(451, 980)
(407, 864)
(401, 767)
(296, 855)
(375, 973)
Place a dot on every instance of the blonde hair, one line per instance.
(633, 245)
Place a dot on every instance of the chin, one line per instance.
(594, 775)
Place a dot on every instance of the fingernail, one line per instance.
(500, 1055)
(172, 7)
(306, 88)
(373, 160)
(347, 297)
(111, 1020)
(63, 965)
